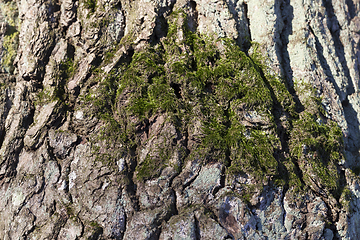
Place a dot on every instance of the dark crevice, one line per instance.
(124, 19)
(176, 210)
(29, 118)
(192, 5)
(103, 175)
(126, 58)
(117, 6)
(286, 17)
(177, 89)
(345, 102)
(82, 227)
(351, 8)
(131, 187)
(160, 30)
(58, 225)
(323, 62)
(161, 24)
(281, 47)
(192, 17)
(222, 182)
(334, 27)
(342, 183)
(192, 178)
(227, 161)
(12, 159)
(156, 234)
(53, 8)
(2, 135)
(331, 220)
(351, 144)
(285, 189)
(242, 24)
(284, 136)
(6, 108)
(248, 44)
(197, 229)
(27, 233)
(298, 172)
(351, 141)
(97, 233)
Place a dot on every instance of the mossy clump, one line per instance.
(90, 4)
(10, 11)
(152, 166)
(65, 72)
(10, 45)
(57, 92)
(11, 38)
(317, 145)
(67, 68)
(249, 120)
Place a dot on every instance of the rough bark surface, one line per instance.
(55, 182)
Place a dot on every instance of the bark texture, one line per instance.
(62, 177)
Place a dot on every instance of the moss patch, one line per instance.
(248, 119)
(316, 143)
(90, 4)
(10, 45)
(11, 39)
(10, 11)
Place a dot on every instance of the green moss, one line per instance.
(165, 78)
(159, 156)
(317, 145)
(249, 119)
(90, 4)
(95, 224)
(62, 73)
(67, 68)
(10, 11)
(10, 45)
(213, 79)
(43, 97)
(346, 198)
(103, 97)
(65, 73)
(109, 55)
(150, 168)
(11, 39)
(96, 230)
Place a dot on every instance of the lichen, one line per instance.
(10, 45)
(10, 11)
(11, 38)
